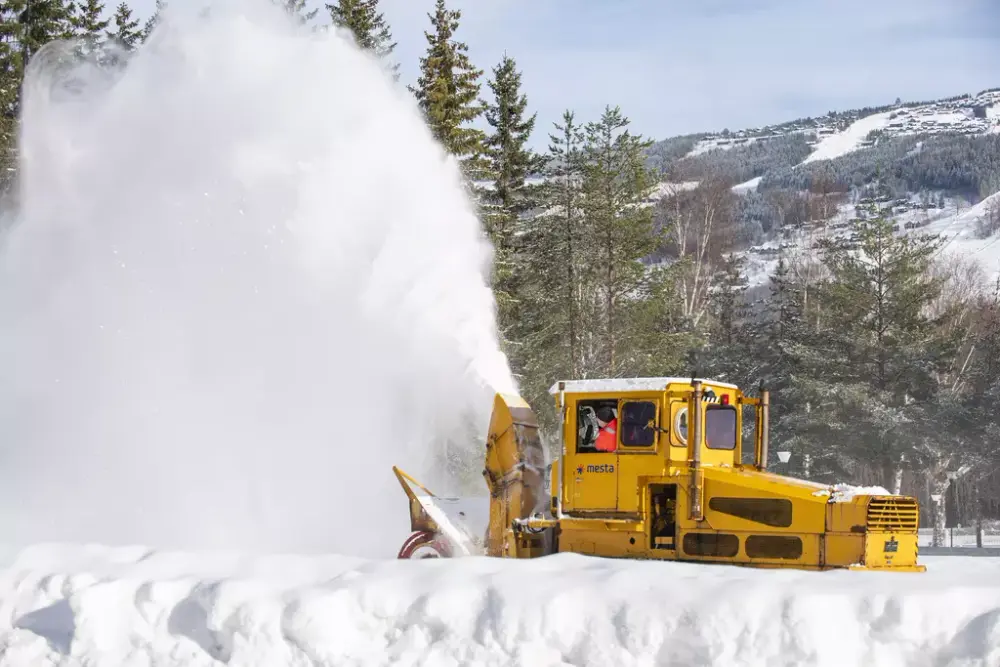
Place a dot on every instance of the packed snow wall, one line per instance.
(92, 605)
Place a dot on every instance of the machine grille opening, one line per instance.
(892, 514)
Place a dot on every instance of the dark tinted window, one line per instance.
(775, 512)
(720, 427)
(634, 424)
(720, 545)
(788, 547)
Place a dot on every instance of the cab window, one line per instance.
(635, 424)
(681, 425)
(587, 426)
(720, 427)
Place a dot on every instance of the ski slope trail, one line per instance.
(243, 282)
(62, 605)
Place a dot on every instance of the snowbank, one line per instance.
(98, 606)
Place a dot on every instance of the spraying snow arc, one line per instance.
(244, 281)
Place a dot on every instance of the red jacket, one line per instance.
(607, 437)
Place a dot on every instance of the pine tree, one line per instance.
(616, 181)
(779, 346)
(729, 311)
(89, 24)
(368, 26)
(153, 20)
(11, 72)
(25, 27)
(447, 91)
(42, 21)
(126, 33)
(728, 352)
(554, 261)
(510, 162)
(869, 364)
(297, 9)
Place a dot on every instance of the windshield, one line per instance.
(720, 427)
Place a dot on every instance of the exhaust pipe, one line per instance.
(562, 443)
(765, 419)
(694, 454)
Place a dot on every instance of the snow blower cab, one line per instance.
(653, 468)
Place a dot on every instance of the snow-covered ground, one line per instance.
(99, 606)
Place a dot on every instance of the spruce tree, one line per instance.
(510, 162)
(41, 21)
(368, 26)
(153, 20)
(11, 72)
(126, 33)
(297, 10)
(616, 181)
(89, 23)
(447, 91)
(554, 260)
(984, 372)
(778, 347)
(869, 362)
(27, 27)
(728, 350)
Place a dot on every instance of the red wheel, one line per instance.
(423, 544)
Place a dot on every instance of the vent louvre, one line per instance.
(892, 514)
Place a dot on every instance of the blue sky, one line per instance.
(680, 66)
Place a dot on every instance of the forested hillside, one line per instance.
(805, 256)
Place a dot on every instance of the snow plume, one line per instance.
(243, 282)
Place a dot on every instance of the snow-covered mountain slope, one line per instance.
(956, 224)
(124, 607)
(837, 134)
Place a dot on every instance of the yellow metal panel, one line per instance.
(807, 513)
(885, 550)
(844, 549)
(845, 517)
(631, 469)
(593, 481)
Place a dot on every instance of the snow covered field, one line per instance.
(89, 605)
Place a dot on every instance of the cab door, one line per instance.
(591, 475)
(638, 449)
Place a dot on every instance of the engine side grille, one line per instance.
(893, 514)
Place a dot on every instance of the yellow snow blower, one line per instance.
(652, 468)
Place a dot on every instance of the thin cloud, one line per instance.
(701, 65)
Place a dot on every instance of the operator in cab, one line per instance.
(607, 436)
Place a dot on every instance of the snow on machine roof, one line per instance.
(612, 385)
